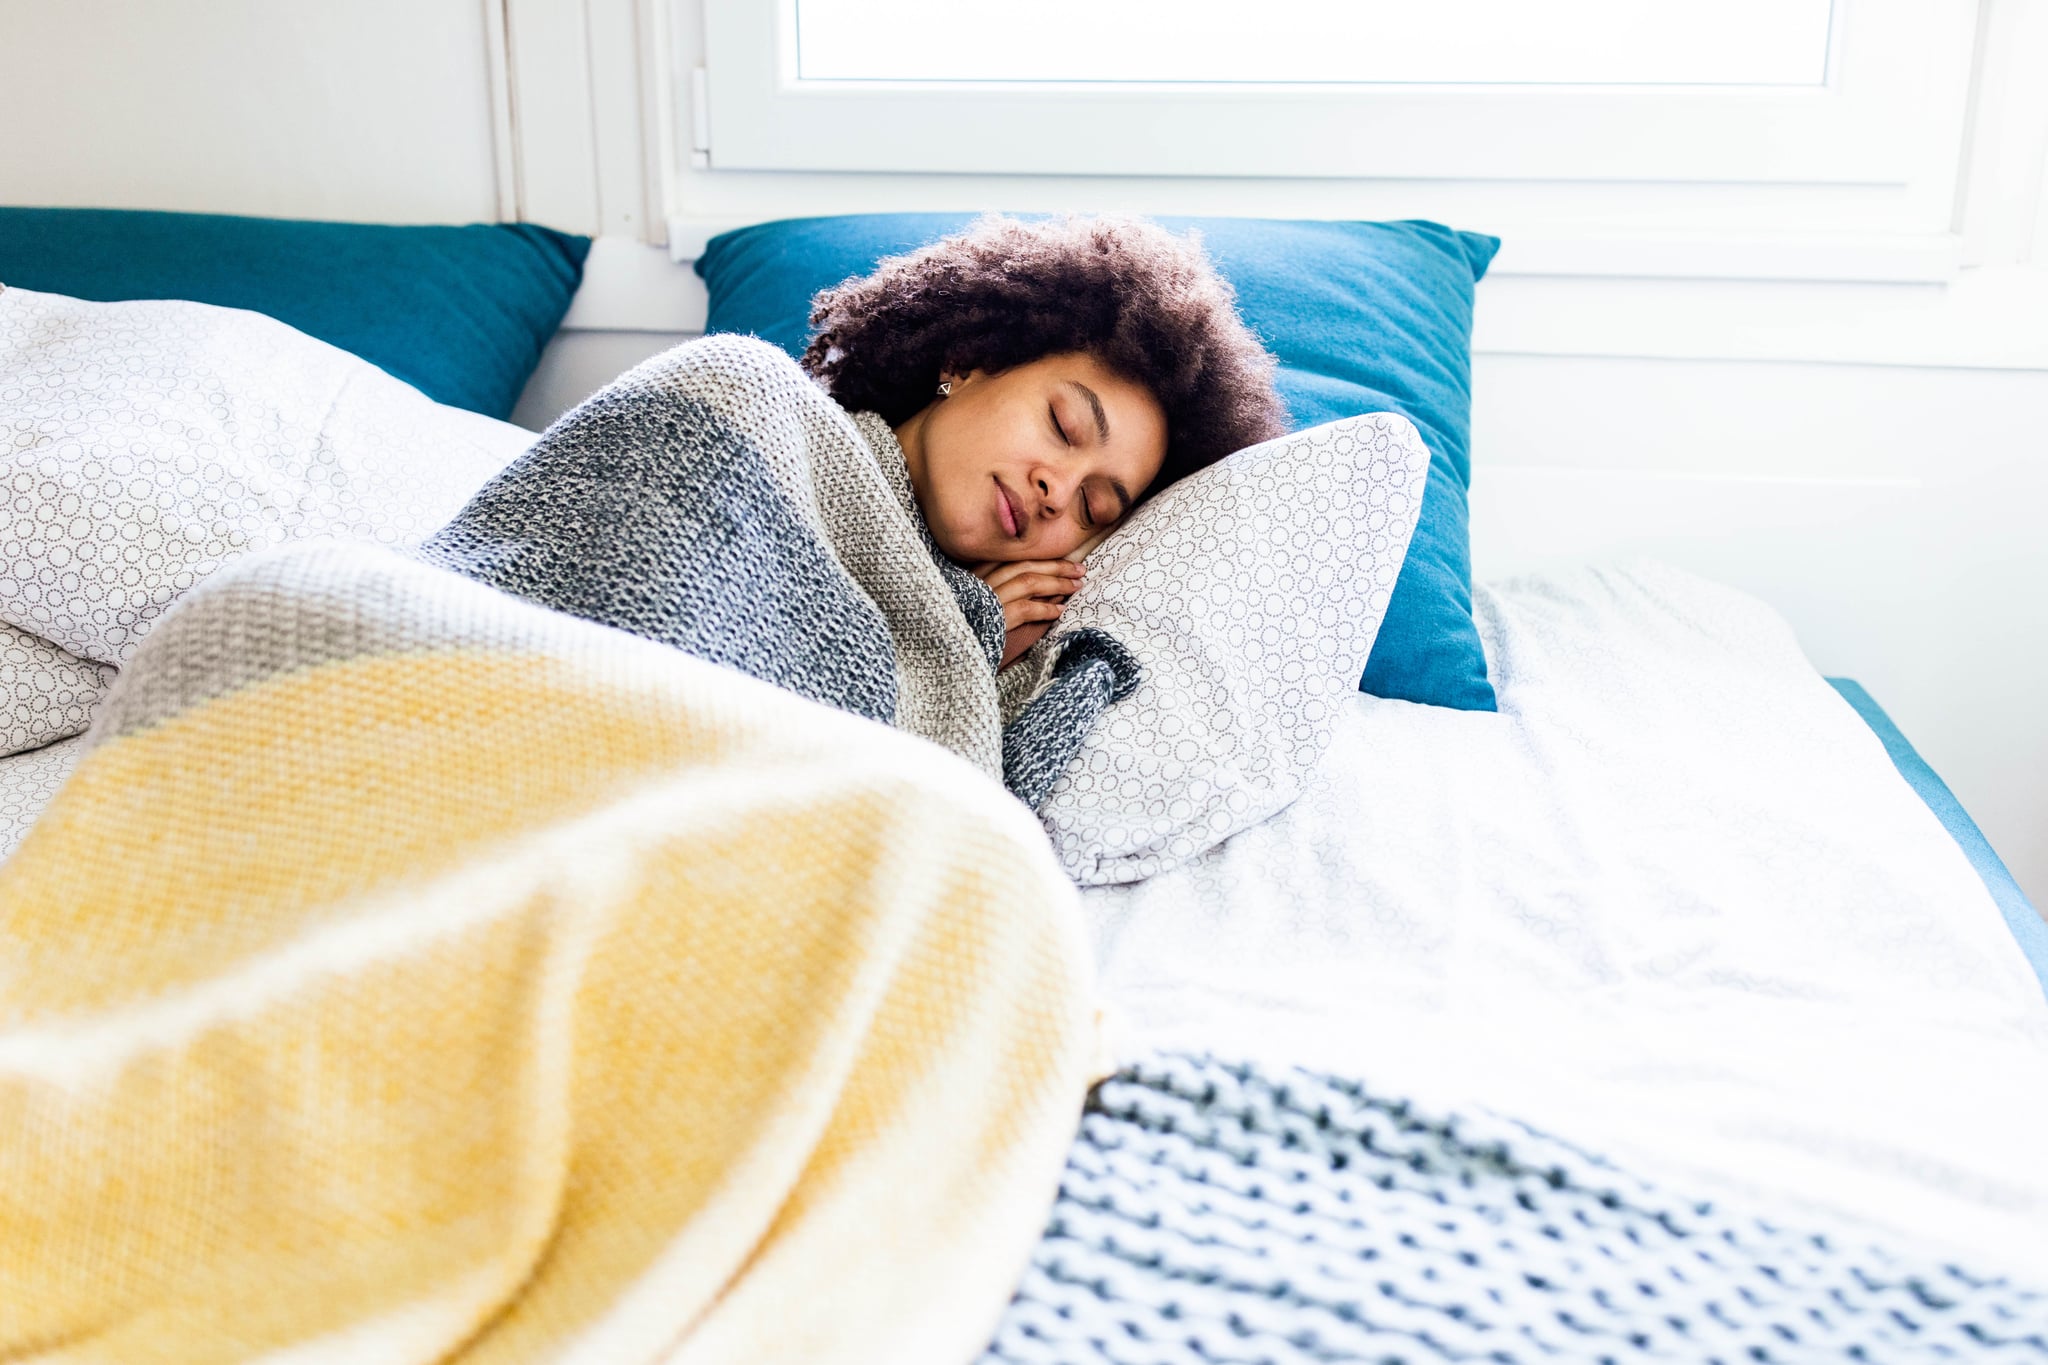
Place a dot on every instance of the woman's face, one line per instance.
(1030, 462)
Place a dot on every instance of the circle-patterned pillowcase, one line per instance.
(1250, 593)
(145, 443)
(46, 693)
(28, 783)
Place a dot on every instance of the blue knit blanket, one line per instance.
(1213, 1212)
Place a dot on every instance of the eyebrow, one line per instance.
(1094, 403)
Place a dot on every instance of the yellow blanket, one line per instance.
(410, 974)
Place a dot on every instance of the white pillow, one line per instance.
(1250, 593)
(46, 693)
(144, 444)
(27, 784)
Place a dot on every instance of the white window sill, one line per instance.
(1838, 299)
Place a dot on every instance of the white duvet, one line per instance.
(1672, 902)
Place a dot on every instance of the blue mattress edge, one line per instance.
(2027, 926)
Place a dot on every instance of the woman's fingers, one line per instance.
(1003, 573)
(1025, 610)
(1037, 585)
(1033, 593)
(995, 575)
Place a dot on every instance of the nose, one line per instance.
(1054, 489)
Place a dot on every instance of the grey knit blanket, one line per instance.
(1220, 1212)
(716, 499)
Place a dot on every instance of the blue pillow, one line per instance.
(460, 313)
(1363, 317)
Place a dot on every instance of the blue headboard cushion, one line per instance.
(460, 313)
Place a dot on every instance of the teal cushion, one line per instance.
(1363, 317)
(460, 313)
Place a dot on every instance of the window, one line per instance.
(1295, 42)
(1857, 92)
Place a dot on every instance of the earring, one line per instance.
(945, 388)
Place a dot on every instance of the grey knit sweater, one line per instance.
(716, 499)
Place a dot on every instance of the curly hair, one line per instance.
(1144, 303)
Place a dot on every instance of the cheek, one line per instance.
(951, 481)
(952, 449)
(992, 435)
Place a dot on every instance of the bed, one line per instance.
(1670, 1008)
(1318, 1145)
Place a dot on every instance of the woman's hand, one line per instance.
(1033, 592)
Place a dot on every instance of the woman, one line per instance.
(991, 402)
(1042, 378)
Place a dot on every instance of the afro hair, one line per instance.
(1143, 302)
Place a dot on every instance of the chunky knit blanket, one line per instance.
(411, 973)
(714, 498)
(1217, 1211)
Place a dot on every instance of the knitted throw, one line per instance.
(715, 498)
(1216, 1211)
(409, 973)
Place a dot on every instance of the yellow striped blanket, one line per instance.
(410, 973)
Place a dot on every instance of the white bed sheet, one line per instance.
(1673, 903)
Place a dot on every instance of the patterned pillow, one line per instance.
(27, 783)
(148, 443)
(48, 693)
(1250, 594)
(143, 444)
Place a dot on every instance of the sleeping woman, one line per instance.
(1042, 378)
(885, 524)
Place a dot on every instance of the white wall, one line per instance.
(1852, 425)
(364, 111)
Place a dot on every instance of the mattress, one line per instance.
(2029, 930)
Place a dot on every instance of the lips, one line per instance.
(1009, 514)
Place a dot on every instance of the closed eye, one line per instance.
(1054, 417)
